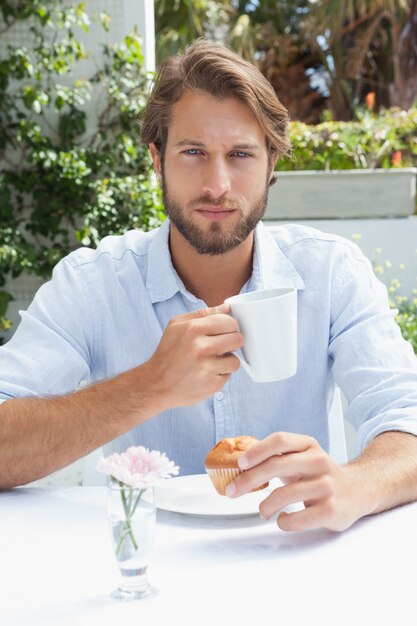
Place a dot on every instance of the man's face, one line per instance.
(215, 172)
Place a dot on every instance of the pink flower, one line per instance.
(137, 467)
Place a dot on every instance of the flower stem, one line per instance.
(137, 501)
(129, 510)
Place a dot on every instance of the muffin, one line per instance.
(221, 462)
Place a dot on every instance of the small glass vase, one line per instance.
(132, 518)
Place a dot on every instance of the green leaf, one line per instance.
(5, 299)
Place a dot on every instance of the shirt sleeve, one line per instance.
(50, 351)
(374, 366)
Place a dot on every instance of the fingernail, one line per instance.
(243, 462)
(230, 490)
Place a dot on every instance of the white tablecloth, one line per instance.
(58, 568)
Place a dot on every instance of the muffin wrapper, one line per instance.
(222, 477)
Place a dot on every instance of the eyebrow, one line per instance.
(200, 144)
(189, 142)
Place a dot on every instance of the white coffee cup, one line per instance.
(268, 321)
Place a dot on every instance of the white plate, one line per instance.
(196, 496)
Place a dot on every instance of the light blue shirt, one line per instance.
(104, 312)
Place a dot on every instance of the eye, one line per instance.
(241, 155)
(192, 151)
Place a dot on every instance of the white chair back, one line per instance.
(337, 435)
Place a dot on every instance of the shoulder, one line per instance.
(322, 258)
(113, 248)
(297, 239)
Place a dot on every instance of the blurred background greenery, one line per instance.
(319, 55)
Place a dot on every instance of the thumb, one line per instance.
(213, 310)
(221, 308)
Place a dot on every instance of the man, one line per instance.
(130, 344)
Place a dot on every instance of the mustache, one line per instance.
(208, 201)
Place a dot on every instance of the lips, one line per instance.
(215, 213)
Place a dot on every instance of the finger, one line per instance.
(202, 313)
(288, 467)
(248, 480)
(316, 516)
(216, 324)
(302, 491)
(220, 345)
(227, 364)
(273, 445)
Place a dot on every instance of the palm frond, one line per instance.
(361, 45)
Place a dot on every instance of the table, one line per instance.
(57, 568)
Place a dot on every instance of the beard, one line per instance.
(216, 240)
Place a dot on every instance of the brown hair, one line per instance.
(217, 70)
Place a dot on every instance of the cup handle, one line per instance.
(244, 364)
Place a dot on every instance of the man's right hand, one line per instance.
(193, 360)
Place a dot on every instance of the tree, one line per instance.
(368, 45)
(316, 54)
(180, 22)
(274, 35)
(265, 33)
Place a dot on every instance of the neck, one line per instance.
(211, 278)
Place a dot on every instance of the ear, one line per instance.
(156, 159)
(272, 164)
(272, 174)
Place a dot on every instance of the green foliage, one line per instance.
(407, 321)
(67, 180)
(405, 306)
(181, 22)
(387, 139)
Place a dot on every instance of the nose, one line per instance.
(217, 178)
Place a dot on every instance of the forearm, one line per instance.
(385, 474)
(41, 435)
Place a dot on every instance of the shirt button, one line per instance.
(219, 395)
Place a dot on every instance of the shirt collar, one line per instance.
(271, 268)
(162, 281)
